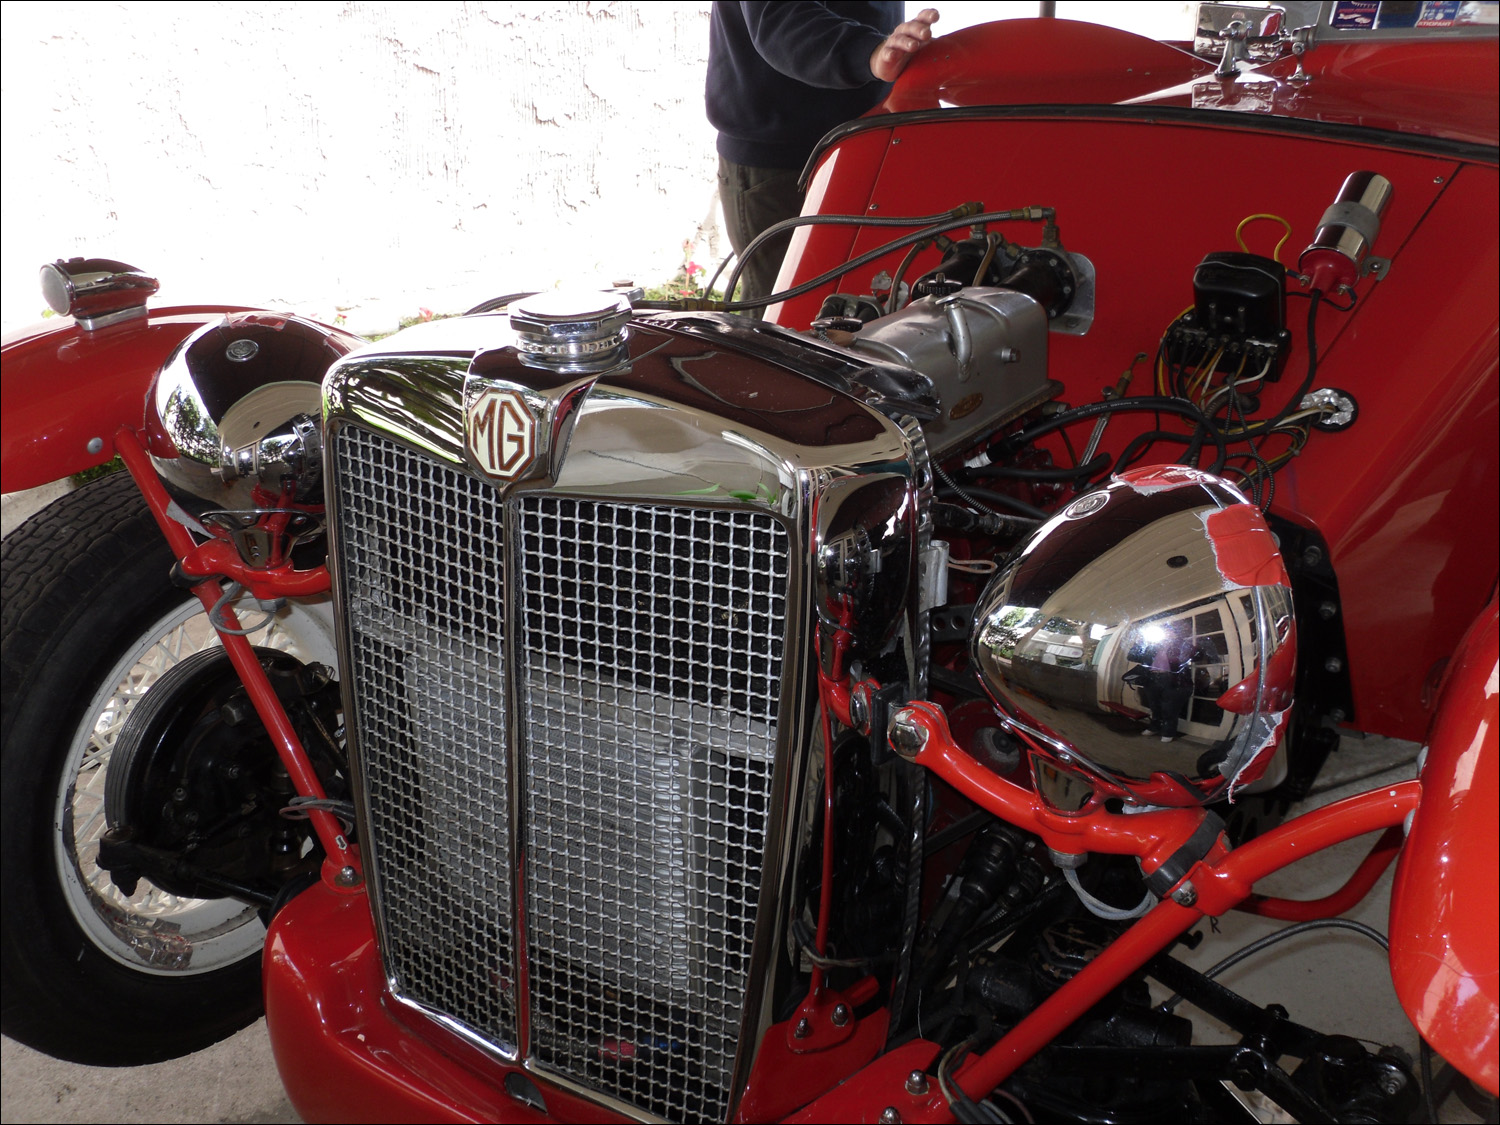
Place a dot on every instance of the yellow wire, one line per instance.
(1199, 379)
(1248, 219)
(1231, 382)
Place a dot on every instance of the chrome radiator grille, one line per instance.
(647, 673)
(649, 687)
(423, 587)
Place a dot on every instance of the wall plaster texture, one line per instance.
(369, 158)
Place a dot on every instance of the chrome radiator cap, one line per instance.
(571, 331)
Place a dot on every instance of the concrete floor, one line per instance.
(1335, 981)
(232, 1081)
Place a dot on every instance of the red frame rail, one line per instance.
(342, 856)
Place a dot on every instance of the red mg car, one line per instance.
(587, 709)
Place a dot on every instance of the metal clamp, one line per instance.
(1175, 867)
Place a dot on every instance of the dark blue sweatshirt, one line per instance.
(782, 74)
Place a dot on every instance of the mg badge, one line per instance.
(501, 432)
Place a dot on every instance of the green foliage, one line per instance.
(423, 316)
(113, 466)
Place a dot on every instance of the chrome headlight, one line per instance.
(239, 403)
(1143, 643)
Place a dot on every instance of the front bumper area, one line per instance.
(344, 1052)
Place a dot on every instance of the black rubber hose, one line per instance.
(1097, 465)
(832, 220)
(1140, 442)
(992, 497)
(947, 224)
(499, 302)
(1145, 403)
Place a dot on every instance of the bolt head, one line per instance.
(889, 1116)
(916, 1083)
(859, 707)
(906, 736)
(803, 1028)
(347, 877)
(96, 445)
(840, 1015)
(1333, 664)
(1185, 895)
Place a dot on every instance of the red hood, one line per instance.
(1440, 89)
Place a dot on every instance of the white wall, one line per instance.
(371, 158)
(366, 156)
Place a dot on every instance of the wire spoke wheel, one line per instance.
(151, 929)
(91, 624)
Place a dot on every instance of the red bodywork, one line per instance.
(1146, 191)
(1404, 500)
(1444, 960)
(65, 387)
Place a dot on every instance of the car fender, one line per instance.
(1444, 960)
(67, 389)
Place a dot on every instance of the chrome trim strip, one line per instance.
(358, 789)
(604, 1101)
(515, 749)
(505, 1053)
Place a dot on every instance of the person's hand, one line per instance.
(890, 58)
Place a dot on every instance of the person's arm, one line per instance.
(808, 42)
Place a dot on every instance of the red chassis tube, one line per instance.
(342, 856)
(1217, 884)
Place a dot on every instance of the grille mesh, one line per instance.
(422, 582)
(650, 669)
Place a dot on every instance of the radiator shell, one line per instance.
(580, 814)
